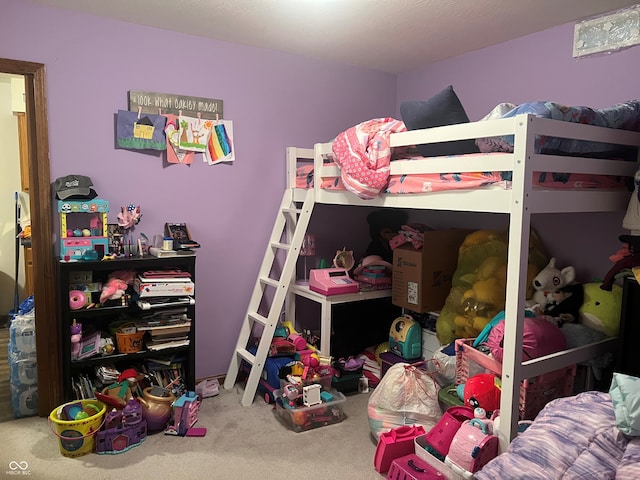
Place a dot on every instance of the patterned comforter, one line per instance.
(571, 438)
(624, 116)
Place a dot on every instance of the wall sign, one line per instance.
(156, 102)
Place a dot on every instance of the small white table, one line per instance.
(326, 302)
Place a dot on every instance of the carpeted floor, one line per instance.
(240, 443)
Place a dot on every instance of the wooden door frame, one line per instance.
(48, 336)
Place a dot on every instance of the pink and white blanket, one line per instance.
(363, 154)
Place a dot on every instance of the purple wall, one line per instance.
(274, 99)
(537, 67)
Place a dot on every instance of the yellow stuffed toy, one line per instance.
(478, 290)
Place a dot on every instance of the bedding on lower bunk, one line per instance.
(571, 438)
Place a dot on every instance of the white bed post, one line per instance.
(517, 264)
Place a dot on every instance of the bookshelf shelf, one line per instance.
(101, 317)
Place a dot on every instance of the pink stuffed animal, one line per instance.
(116, 285)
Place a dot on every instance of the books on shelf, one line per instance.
(175, 275)
(159, 302)
(163, 324)
(155, 345)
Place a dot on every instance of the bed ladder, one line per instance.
(287, 235)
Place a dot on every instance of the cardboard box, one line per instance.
(422, 278)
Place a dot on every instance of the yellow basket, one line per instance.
(76, 437)
(129, 342)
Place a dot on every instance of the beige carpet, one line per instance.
(241, 443)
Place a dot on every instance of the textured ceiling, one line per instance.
(387, 35)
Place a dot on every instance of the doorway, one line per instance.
(47, 334)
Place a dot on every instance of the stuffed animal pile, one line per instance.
(479, 284)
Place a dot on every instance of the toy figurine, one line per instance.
(76, 337)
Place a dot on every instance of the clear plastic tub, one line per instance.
(301, 419)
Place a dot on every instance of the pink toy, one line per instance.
(129, 217)
(290, 392)
(117, 285)
(185, 414)
(439, 438)
(77, 299)
(395, 443)
(472, 447)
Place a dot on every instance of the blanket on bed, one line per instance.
(624, 116)
(571, 438)
(363, 154)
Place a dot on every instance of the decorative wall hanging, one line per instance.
(151, 102)
(137, 131)
(174, 153)
(220, 143)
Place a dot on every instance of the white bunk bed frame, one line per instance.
(518, 202)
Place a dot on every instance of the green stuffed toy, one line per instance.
(601, 308)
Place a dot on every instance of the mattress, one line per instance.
(437, 182)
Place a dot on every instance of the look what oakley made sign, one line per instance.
(156, 102)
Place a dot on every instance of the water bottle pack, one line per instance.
(24, 400)
(22, 333)
(23, 369)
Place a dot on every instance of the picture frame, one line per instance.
(115, 239)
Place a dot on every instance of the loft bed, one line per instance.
(517, 194)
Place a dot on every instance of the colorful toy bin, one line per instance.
(76, 436)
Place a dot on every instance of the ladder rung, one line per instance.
(281, 246)
(256, 317)
(247, 356)
(270, 281)
(290, 211)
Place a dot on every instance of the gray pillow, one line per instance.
(444, 108)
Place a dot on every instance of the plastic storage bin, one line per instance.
(535, 392)
(420, 444)
(301, 419)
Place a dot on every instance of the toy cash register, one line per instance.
(332, 281)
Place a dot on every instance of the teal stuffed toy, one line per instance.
(601, 308)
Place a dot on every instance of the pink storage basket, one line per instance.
(535, 392)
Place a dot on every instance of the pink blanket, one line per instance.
(363, 154)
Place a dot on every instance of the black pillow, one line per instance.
(443, 108)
